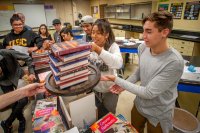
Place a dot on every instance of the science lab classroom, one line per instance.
(99, 66)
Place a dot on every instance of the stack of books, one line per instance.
(40, 59)
(69, 62)
(46, 118)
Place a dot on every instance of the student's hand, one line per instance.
(116, 89)
(96, 48)
(31, 49)
(8, 47)
(31, 77)
(46, 44)
(108, 78)
(32, 89)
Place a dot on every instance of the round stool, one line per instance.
(185, 122)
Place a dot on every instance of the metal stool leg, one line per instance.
(198, 109)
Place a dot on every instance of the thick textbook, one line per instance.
(64, 48)
(73, 64)
(73, 81)
(73, 56)
(58, 61)
(74, 73)
(57, 72)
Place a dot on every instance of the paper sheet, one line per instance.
(187, 71)
(21, 49)
(72, 130)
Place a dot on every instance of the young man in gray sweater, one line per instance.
(160, 69)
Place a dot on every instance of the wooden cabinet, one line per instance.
(110, 11)
(139, 11)
(119, 33)
(135, 11)
(187, 48)
(123, 12)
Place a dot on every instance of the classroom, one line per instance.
(99, 66)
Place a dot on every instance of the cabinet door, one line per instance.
(184, 47)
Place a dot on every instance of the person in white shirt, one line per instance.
(106, 55)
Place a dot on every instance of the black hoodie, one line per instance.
(26, 38)
(11, 69)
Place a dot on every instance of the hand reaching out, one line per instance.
(108, 78)
(32, 89)
(31, 49)
(116, 89)
(31, 77)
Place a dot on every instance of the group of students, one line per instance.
(159, 70)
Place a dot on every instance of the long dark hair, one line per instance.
(104, 28)
(15, 17)
(47, 32)
(66, 31)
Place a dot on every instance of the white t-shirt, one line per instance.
(113, 59)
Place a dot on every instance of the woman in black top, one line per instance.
(45, 36)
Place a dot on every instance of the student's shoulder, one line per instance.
(176, 55)
(9, 34)
(176, 58)
(141, 48)
(114, 46)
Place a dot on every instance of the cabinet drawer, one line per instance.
(186, 53)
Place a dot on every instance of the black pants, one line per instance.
(17, 107)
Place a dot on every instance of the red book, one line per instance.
(73, 81)
(56, 71)
(64, 48)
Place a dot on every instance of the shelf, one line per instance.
(128, 11)
(109, 12)
(122, 12)
(136, 19)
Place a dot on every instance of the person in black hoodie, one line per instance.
(21, 36)
(12, 72)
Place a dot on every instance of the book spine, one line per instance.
(77, 81)
(73, 66)
(72, 50)
(74, 56)
(55, 61)
(74, 74)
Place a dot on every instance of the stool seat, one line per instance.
(185, 122)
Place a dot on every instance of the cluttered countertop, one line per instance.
(177, 34)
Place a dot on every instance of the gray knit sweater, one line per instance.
(159, 76)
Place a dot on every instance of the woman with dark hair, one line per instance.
(45, 36)
(66, 34)
(21, 36)
(106, 55)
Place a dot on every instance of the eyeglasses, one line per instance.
(17, 25)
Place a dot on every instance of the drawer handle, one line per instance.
(182, 47)
(181, 52)
(183, 42)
